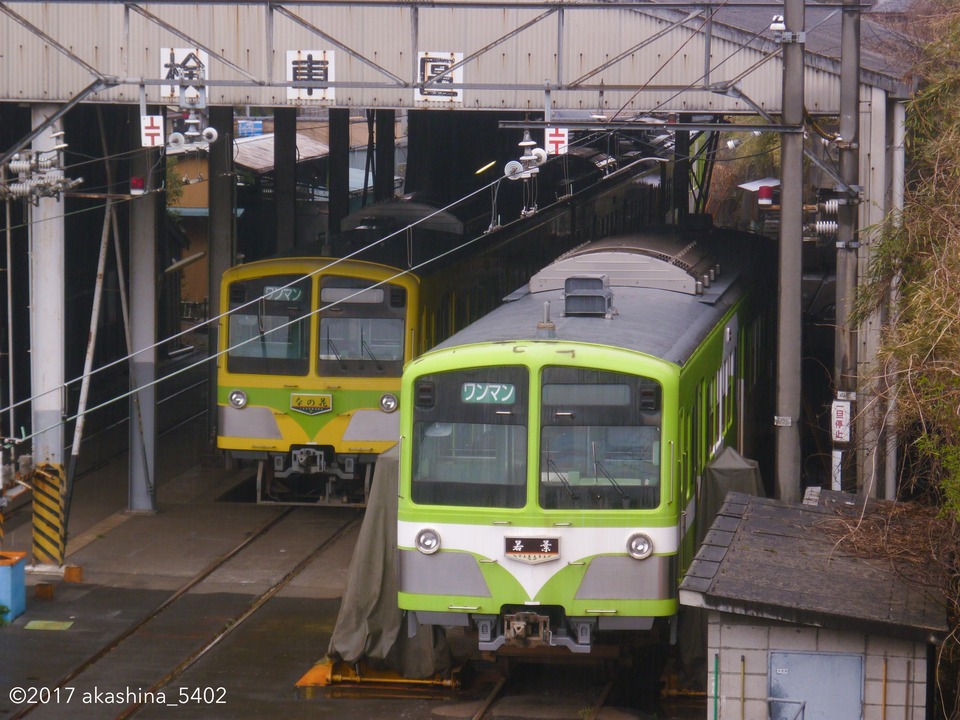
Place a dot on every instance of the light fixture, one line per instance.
(389, 402)
(640, 546)
(734, 144)
(765, 195)
(778, 25)
(237, 399)
(427, 541)
(137, 186)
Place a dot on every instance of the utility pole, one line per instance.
(787, 419)
(845, 345)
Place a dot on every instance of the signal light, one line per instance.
(137, 186)
(765, 195)
(424, 394)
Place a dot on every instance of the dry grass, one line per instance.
(922, 545)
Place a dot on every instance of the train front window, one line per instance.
(268, 332)
(470, 438)
(599, 440)
(361, 328)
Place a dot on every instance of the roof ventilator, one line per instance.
(588, 295)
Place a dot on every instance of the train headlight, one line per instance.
(389, 402)
(640, 546)
(237, 399)
(428, 541)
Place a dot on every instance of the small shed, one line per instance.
(801, 628)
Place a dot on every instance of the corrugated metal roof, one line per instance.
(642, 56)
(256, 152)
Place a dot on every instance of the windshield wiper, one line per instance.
(552, 467)
(598, 466)
(364, 346)
(333, 348)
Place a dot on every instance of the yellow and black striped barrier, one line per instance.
(49, 515)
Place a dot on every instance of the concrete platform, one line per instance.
(130, 564)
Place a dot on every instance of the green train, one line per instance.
(311, 348)
(551, 451)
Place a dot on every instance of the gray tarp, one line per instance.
(729, 472)
(370, 626)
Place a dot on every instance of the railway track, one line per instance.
(574, 691)
(195, 636)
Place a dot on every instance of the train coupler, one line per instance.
(529, 630)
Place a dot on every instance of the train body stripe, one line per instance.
(577, 545)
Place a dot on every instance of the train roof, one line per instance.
(658, 293)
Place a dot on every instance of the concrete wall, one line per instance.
(732, 637)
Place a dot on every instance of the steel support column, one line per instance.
(385, 154)
(47, 298)
(221, 239)
(285, 177)
(338, 169)
(143, 331)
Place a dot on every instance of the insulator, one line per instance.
(831, 207)
(826, 227)
(20, 166)
(22, 189)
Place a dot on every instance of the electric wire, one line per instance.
(222, 315)
(606, 133)
(207, 358)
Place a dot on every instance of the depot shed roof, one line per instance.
(766, 558)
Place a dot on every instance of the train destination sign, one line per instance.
(282, 294)
(532, 550)
(311, 404)
(485, 393)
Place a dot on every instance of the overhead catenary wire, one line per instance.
(206, 359)
(35, 432)
(493, 184)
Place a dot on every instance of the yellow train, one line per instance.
(311, 353)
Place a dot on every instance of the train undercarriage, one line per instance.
(304, 477)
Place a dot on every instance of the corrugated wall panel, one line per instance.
(376, 63)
